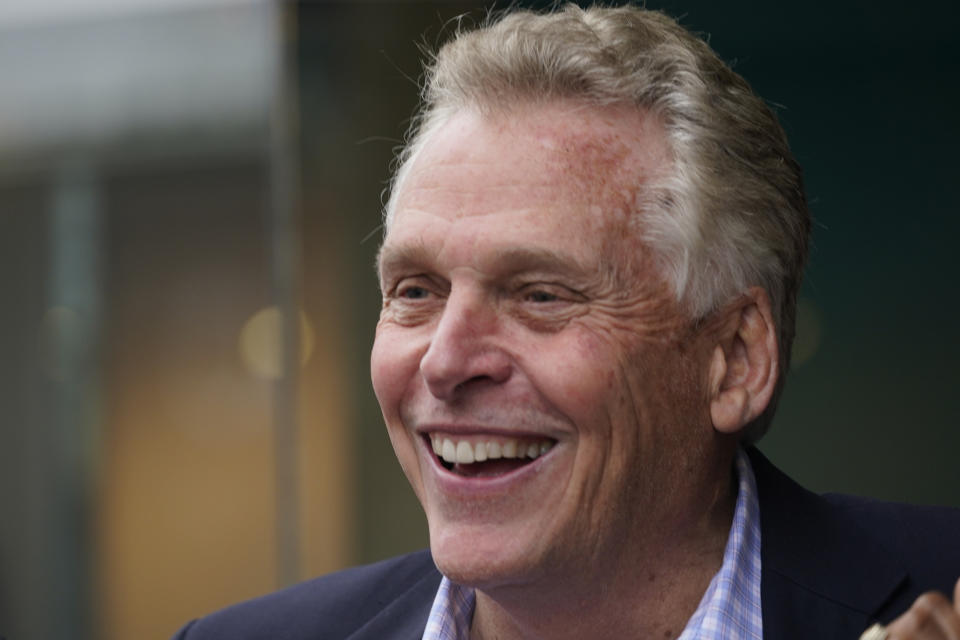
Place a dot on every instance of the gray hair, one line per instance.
(732, 214)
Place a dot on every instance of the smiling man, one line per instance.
(593, 247)
(524, 317)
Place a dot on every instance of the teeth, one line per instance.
(465, 452)
(449, 452)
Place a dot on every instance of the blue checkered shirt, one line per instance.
(729, 610)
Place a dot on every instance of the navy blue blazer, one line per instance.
(831, 566)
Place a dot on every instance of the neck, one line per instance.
(641, 590)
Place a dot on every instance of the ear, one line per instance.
(745, 363)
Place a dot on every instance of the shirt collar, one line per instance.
(451, 613)
(730, 607)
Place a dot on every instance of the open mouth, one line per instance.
(486, 457)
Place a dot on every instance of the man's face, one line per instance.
(525, 323)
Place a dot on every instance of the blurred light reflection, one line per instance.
(261, 343)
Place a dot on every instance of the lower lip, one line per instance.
(451, 482)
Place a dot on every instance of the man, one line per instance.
(593, 247)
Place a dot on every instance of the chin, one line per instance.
(473, 559)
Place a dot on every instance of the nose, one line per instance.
(463, 353)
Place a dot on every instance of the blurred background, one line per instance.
(190, 194)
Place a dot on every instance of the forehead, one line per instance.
(588, 150)
(562, 171)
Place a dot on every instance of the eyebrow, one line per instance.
(391, 257)
(510, 260)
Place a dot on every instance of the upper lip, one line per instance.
(462, 429)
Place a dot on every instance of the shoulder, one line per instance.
(863, 556)
(332, 606)
(914, 519)
(923, 537)
(831, 564)
(915, 534)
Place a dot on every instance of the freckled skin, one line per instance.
(517, 295)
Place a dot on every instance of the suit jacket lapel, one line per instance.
(820, 568)
(405, 618)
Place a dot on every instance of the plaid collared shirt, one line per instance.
(729, 610)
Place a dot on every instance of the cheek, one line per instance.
(392, 370)
(393, 365)
(580, 376)
(615, 388)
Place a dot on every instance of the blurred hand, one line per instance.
(932, 617)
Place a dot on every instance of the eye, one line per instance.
(546, 306)
(546, 292)
(415, 288)
(412, 300)
(413, 292)
(541, 296)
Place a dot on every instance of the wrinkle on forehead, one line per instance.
(596, 163)
(599, 154)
